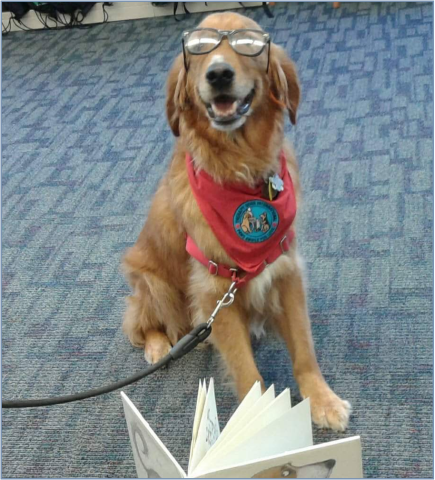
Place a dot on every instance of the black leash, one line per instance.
(183, 346)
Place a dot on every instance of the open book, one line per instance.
(264, 438)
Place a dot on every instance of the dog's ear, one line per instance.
(176, 94)
(284, 80)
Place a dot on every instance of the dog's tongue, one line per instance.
(224, 106)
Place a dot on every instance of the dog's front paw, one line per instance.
(157, 346)
(328, 410)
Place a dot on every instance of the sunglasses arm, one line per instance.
(184, 55)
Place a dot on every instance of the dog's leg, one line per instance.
(155, 318)
(230, 335)
(144, 330)
(327, 409)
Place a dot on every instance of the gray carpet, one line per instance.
(85, 142)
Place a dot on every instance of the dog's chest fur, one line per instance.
(262, 297)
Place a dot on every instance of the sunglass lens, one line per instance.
(248, 42)
(201, 41)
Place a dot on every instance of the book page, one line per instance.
(200, 400)
(208, 430)
(152, 458)
(252, 397)
(337, 459)
(244, 414)
(290, 431)
(263, 412)
(257, 423)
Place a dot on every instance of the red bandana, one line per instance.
(248, 226)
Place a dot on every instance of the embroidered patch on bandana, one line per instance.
(255, 221)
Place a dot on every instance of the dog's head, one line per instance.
(313, 470)
(228, 89)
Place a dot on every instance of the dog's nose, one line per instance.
(220, 75)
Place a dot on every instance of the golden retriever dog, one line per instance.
(227, 111)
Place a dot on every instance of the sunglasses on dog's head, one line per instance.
(247, 42)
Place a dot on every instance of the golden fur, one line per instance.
(172, 291)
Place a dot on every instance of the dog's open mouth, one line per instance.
(225, 109)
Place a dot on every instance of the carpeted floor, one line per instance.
(85, 142)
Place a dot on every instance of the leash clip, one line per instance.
(190, 341)
(225, 301)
